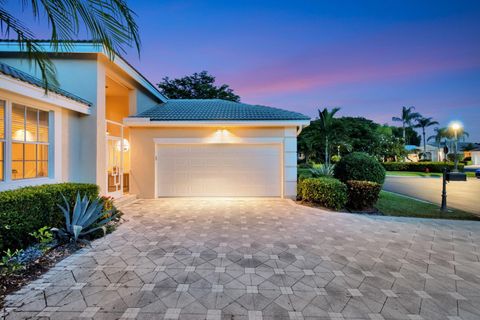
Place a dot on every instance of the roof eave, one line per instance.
(146, 122)
(17, 86)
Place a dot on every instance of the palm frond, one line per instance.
(26, 40)
(110, 23)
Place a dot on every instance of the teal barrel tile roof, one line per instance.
(215, 109)
(25, 77)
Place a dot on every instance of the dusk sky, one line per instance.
(368, 57)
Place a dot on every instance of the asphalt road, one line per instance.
(461, 195)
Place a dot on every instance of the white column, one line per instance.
(290, 163)
(101, 172)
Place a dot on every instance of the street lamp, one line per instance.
(455, 126)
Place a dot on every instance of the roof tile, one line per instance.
(215, 109)
(25, 77)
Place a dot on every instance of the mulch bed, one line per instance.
(14, 281)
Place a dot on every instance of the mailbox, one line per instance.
(477, 173)
(456, 176)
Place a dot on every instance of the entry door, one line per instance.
(114, 167)
(219, 170)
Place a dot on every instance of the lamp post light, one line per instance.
(455, 126)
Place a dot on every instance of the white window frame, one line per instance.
(8, 182)
(36, 142)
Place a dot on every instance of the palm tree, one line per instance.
(326, 120)
(448, 135)
(406, 119)
(109, 23)
(423, 123)
(440, 133)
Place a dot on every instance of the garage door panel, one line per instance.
(219, 170)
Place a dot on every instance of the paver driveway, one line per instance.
(270, 259)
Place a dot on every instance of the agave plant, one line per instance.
(325, 170)
(85, 218)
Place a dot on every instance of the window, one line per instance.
(29, 142)
(2, 140)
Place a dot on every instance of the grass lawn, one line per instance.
(422, 174)
(392, 204)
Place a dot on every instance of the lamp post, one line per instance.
(455, 126)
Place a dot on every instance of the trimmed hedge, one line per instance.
(362, 195)
(327, 192)
(28, 209)
(420, 166)
(359, 166)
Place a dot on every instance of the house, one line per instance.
(107, 124)
(435, 153)
(475, 154)
(412, 153)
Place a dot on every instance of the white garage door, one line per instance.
(219, 170)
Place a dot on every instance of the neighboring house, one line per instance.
(435, 153)
(438, 153)
(475, 154)
(412, 153)
(110, 126)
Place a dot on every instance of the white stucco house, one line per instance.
(107, 124)
(475, 153)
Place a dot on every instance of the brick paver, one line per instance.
(262, 259)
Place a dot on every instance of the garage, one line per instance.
(213, 148)
(219, 170)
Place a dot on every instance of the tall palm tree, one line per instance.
(110, 23)
(440, 133)
(423, 123)
(406, 118)
(326, 121)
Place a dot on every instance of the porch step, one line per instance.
(124, 200)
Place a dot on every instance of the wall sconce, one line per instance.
(126, 145)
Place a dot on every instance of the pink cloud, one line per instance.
(389, 55)
(285, 79)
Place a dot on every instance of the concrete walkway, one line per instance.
(263, 259)
(461, 195)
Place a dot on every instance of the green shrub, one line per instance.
(359, 166)
(362, 195)
(325, 170)
(25, 210)
(304, 173)
(328, 192)
(419, 166)
(335, 158)
(300, 187)
(84, 218)
(451, 157)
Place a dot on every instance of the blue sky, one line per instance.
(368, 57)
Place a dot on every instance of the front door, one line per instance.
(114, 167)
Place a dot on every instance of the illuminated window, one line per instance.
(2, 140)
(29, 142)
